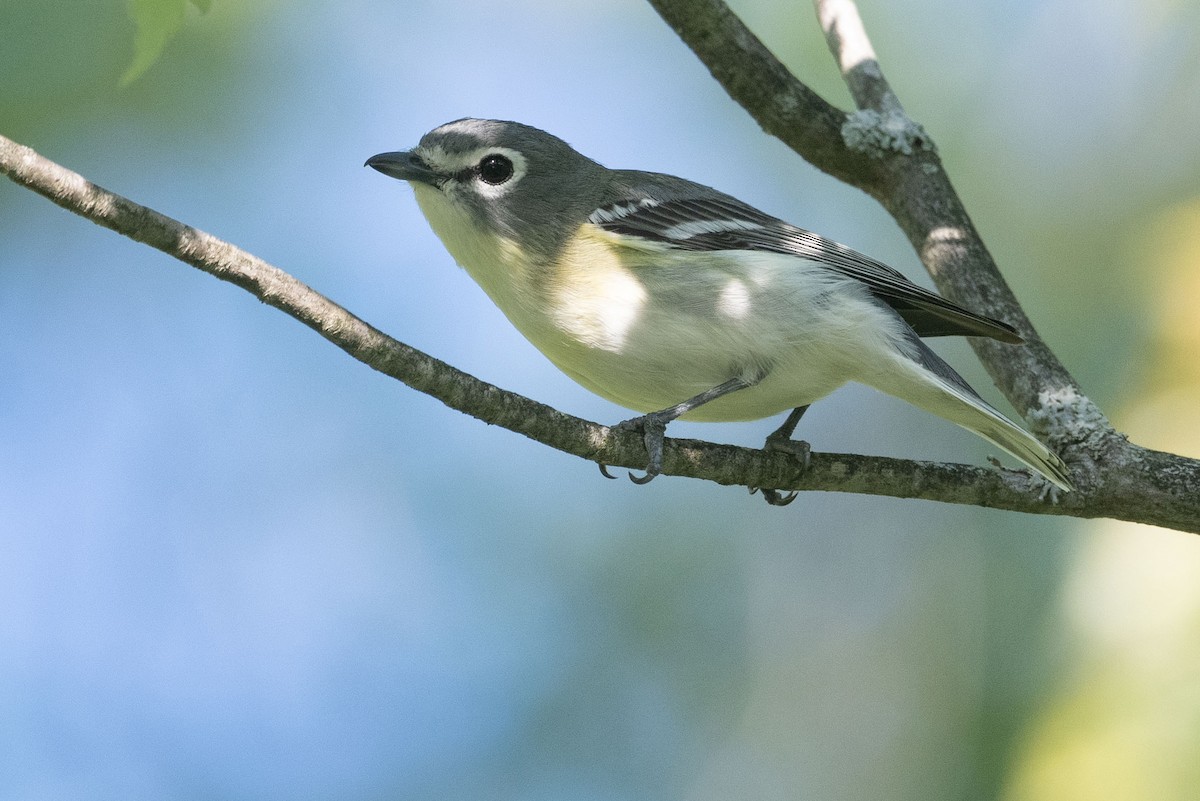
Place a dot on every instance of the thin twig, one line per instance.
(784, 106)
(851, 47)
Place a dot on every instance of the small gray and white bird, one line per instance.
(678, 301)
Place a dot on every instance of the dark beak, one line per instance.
(405, 165)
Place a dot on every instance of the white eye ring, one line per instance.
(495, 184)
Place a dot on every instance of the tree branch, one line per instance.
(784, 107)
(458, 390)
(880, 150)
(919, 195)
(723, 464)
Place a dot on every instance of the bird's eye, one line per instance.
(495, 168)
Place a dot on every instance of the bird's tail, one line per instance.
(944, 392)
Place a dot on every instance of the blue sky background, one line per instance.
(234, 563)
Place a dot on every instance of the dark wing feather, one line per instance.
(721, 222)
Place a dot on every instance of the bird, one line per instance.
(675, 300)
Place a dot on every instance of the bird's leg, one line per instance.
(781, 440)
(654, 425)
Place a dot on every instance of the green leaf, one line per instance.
(156, 21)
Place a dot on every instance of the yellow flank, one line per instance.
(595, 295)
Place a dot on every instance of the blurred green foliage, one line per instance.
(157, 22)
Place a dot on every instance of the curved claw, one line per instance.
(773, 497)
(646, 479)
(604, 471)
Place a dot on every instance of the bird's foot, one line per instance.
(654, 429)
(781, 442)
